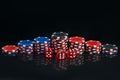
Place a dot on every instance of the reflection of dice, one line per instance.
(61, 64)
(48, 61)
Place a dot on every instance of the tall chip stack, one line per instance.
(42, 44)
(59, 41)
(26, 46)
(77, 43)
(93, 46)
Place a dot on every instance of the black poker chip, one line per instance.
(59, 35)
(109, 49)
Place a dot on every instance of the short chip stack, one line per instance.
(59, 41)
(26, 46)
(77, 43)
(42, 44)
(109, 49)
(93, 46)
(10, 49)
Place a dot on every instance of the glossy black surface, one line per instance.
(38, 67)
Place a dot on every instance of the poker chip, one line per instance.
(93, 46)
(42, 44)
(109, 49)
(10, 49)
(77, 39)
(26, 46)
(58, 35)
(77, 43)
(25, 43)
(59, 40)
(93, 43)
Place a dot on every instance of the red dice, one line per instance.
(61, 55)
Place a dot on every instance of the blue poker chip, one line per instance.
(42, 40)
(25, 43)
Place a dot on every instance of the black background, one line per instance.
(29, 19)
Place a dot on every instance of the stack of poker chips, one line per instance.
(109, 49)
(42, 44)
(77, 43)
(59, 41)
(26, 46)
(10, 50)
(93, 46)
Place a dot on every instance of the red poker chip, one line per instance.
(76, 39)
(79, 51)
(80, 44)
(10, 48)
(93, 43)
